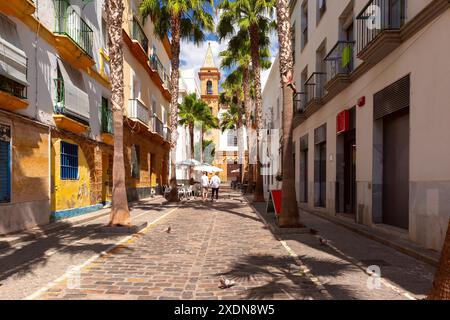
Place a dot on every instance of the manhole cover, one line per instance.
(375, 262)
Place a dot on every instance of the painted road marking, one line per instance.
(128, 239)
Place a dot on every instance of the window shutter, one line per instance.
(5, 160)
(76, 99)
(320, 134)
(391, 99)
(13, 60)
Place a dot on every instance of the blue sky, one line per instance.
(192, 56)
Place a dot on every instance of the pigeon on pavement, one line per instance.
(168, 229)
(225, 283)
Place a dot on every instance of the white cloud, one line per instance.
(273, 54)
(193, 56)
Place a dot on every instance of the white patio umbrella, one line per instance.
(207, 168)
(188, 163)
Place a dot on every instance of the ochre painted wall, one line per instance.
(70, 194)
(152, 156)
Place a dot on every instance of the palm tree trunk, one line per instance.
(191, 136)
(120, 213)
(289, 211)
(441, 283)
(174, 79)
(258, 196)
(248, 122)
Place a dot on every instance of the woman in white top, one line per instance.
(205, 184)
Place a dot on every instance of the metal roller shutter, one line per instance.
(392, 98)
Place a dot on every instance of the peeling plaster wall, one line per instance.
(30, 202)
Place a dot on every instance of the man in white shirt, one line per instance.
(205, 184)
(215, 184)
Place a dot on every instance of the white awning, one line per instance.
(76, 100)
(13, 60)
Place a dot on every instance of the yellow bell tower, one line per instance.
(209, 76)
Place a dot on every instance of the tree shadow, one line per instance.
(23, 259)
(283, 277)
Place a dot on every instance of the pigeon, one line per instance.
(225, 283)
(168, 229)
(323, 241)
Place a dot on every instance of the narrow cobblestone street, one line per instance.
(208, 240)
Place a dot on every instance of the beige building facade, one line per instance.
(371, 122)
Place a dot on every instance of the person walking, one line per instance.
(215, 184)
(205, 184)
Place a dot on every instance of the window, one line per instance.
(232, 140)
(304, 24)
(13, 60)
(69, 161)
(209, 89)
(321, 8)
(135, 161)
(5, 160)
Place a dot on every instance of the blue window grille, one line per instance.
(5, 171)
(69, 161)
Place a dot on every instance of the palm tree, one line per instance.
(182, 19)
(251, 17)
(120, 213)
(192, 110)
(441, 283)
(289, 211)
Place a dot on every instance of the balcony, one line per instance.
(107, 126)
(17, 8)
(315, 91)
(378, 29)
(140, 42)
(138, 111)
(339, 64)
(12, 94)
(67, 115)
(158, 126)
(167, 134)
(157, 66)
(74, 37)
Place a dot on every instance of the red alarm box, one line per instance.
(343, 121)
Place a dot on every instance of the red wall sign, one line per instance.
(343, 121)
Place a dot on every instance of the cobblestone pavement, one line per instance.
(30, 265)
(226, 238)
(206, 241)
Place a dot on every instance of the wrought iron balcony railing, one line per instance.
(107, 120)
(167, 133)
(158, 125)
(379, 16)
(340, 59)
(300, 100)
(138, 34)
(156, 65)
(315, 86)
(70, 23)
(137, 110)
(12, 87)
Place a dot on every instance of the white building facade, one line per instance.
(371, 113)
